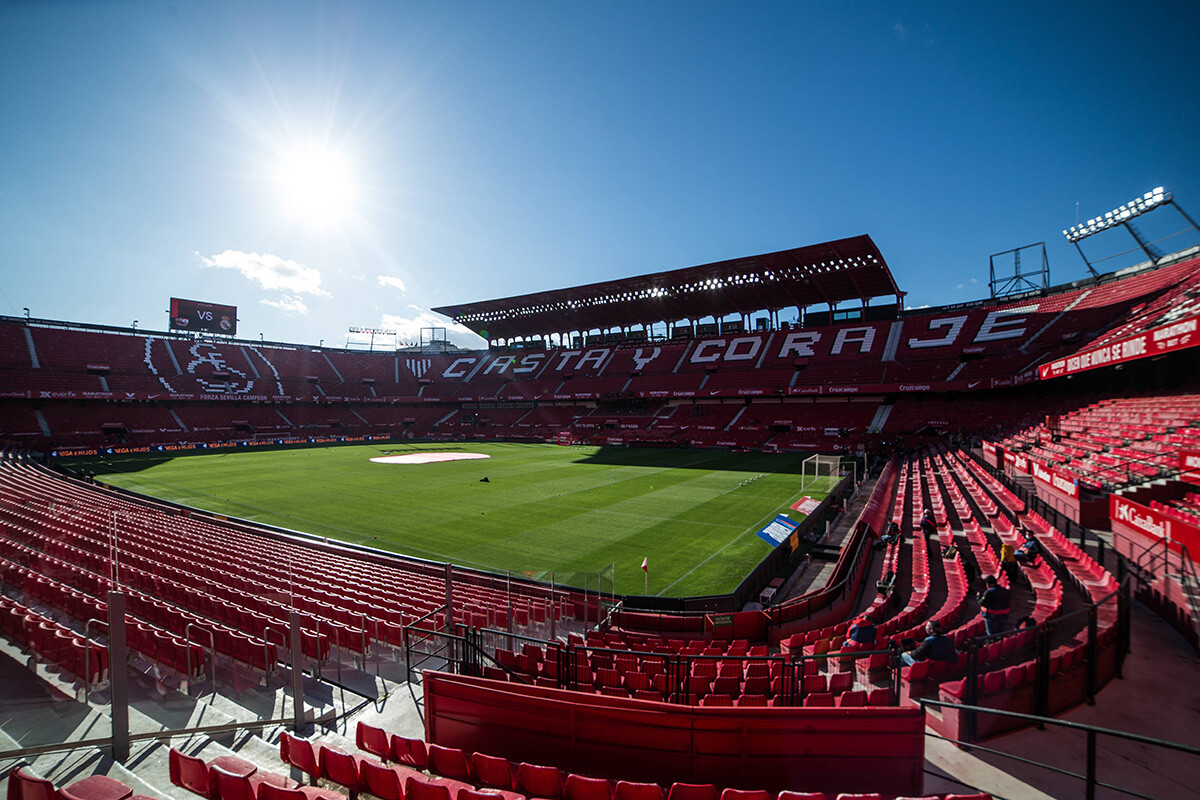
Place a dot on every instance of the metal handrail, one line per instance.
(1091, 730)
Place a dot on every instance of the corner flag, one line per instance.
(646, 564)
(646, 569)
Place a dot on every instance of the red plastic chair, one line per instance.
(96, 787)
(301, 754)
(631, 790)
(745, 794)
(227, 785)
(579, 787)
(24, 785)
(270, 791)
(380, 780)
(189, 772)
(341, 768)
(492, 771)
(417, 789)
(692, 791)
(373, 740)
(538, 781)
(410, 752)
(788, 795)
(449, 762)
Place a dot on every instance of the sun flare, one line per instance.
(316, 186)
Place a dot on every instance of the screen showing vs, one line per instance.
(190, 315)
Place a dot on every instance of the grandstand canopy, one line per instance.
(828, 273)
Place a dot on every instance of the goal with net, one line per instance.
(820, 473)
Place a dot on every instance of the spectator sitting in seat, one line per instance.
(862, 632)
(928, 525)
(892, 534)
(936, 647)
(1029, 550)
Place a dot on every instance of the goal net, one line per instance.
(820, 473)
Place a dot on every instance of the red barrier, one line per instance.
(812, 749)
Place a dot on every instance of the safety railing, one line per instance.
(1089, 776)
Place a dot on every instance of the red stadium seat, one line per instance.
(692, 791)
(538, 781)
(492, 771)
(745, 794)
(630, 790)
(380, 780)
(189, 772)
(301, 754)
(24, 785)
(449, 762)
(425, 789)
(340, 767)
(411, 752)
(372, 740)
(580, 788)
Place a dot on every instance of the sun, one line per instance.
(316, 186)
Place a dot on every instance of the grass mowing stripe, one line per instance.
(544, 508)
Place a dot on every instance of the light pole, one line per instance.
(26, 310)
(135, 324)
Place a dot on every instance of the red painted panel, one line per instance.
(822, 749)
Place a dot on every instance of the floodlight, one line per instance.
(1118, 216)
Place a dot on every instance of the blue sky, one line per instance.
(475, 150)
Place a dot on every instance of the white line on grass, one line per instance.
(755, 529)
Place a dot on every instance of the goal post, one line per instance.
(820, 472)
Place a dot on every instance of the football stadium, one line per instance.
(752, 529)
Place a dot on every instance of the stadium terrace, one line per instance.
(326, 666)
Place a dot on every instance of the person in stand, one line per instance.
(937, 646)
(993, 605)
(1029, 549)
(862, 633)
(928, 525)
(892, 534)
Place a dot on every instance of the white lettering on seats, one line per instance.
(998, 325)
(453, 371)
(595, 357)
(564, 356)
(955, 324)
(499, 364)
(529, 363)
(737, 348)
(799, 344)
(640, 361)
(864, 337)
(708, 351)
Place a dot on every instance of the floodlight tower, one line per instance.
(1123, 215)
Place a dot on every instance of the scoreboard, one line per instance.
(190, 315)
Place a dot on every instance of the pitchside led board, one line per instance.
(190, 315)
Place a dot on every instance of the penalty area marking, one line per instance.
(428, 458)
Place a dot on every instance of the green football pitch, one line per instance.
(693, 514)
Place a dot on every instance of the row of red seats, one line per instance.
(499, 775)
(82, 660)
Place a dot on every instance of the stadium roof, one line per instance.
(832, 273)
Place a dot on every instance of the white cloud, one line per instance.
(900, 30)
(393, 281)
(272, 273)
(415, 307)
(289, 302)
(408, 329)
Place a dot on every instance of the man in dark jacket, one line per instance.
(936, 647)
(993, 604)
